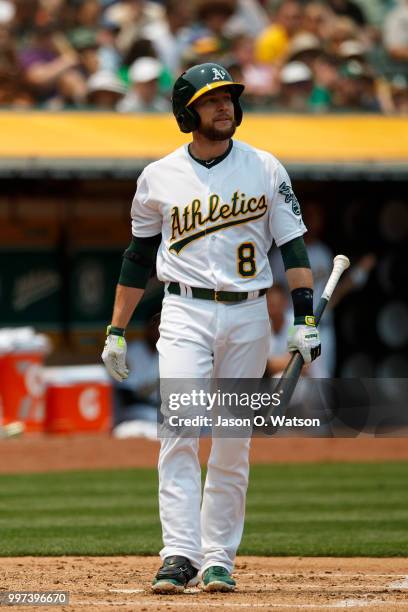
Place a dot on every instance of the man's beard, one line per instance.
(213, 133)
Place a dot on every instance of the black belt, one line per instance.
(218, 296)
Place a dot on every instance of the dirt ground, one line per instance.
(271, 583)
(100, 583)
(40, 453)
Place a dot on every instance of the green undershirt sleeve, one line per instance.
(138, 261)
(294, 254)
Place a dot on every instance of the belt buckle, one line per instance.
(216, 296)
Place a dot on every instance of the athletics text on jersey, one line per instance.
(237, 212)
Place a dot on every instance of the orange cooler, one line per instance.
(78, 399)
(22, 389)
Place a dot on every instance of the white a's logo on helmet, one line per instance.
(218, 75)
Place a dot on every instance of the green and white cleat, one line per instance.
(217, 579)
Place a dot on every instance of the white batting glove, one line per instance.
(304, 337)
(114, 357)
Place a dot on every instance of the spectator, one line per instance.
(25, 18)
(343, 28)
(88, 14)
(207, 33)
(50, 12)
(141, 47)
(213, 16)
(85, 43)
(261, 80)
(206, 49)
(356, 88)
(297, 86)
(48, 61)
(396, 32)
(347, 8)
(318, 19)
(326, 77)
(67, 97)
(304, 47)
(249, 19)
(399, 93)
(352, 50)
(109, 58)
(273, 43)
(105, 90)
(133, 16)
(170, 35)
(144, 96)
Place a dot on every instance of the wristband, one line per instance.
(115, 331)
(302, 302)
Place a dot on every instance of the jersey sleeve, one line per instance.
(285, 216)
(145, 213)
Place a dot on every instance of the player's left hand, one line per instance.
(304, 337)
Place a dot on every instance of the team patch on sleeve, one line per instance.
(287, 192)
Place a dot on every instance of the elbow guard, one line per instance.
(138, 261)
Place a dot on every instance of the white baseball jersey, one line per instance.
(218, 221)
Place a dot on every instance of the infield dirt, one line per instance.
(100, 583)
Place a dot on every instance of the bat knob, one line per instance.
(342, 260)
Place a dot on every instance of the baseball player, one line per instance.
(211, 210)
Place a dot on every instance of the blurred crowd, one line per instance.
(292, 55)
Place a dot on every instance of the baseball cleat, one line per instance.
(217, 579)
(174, 576)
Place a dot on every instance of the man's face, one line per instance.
(290, 16)
(216, 111)
(147, 90)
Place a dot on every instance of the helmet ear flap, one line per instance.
(237, 111)
(188, 120)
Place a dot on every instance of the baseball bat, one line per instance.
(290, 376)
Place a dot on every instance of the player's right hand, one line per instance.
(114, 357)
(305, 339)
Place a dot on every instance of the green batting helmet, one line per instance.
(195, 82)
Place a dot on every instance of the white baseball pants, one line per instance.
(206, 339)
